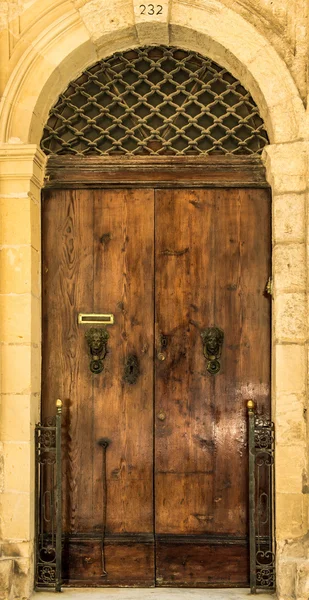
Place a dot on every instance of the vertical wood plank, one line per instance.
(217, 247)
(184, 306)
(67, 272)
(123, 412)
(243, 312)
(98, 257)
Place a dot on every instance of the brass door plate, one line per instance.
(95, 319)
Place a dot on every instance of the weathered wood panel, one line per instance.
(212, 265)
(98, 256)
(163, 171)
(200, 562)
(123, 412)
(130, 563)
(67, 269)
(194, 258)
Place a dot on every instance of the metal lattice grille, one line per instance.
(155, 100)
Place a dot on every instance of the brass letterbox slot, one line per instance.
(95, 319)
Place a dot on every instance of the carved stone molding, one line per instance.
(22, 169)
(67, 46)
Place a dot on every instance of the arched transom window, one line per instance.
(155, 101)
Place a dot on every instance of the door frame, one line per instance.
(152, 171)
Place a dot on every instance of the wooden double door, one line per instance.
(155, 473)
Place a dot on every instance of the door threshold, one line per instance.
(152, 594)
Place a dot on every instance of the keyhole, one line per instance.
(131, 369)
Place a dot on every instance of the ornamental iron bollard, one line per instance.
(261, 501)
(48, 502)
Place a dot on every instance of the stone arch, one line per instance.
(80, 38)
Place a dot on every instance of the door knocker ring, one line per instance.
(97, 338)
(212, 347)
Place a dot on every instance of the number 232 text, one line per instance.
(151, 9)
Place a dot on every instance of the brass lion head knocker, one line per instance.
(97, 341)
(212, 346)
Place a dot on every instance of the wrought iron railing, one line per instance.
(48, 502)
(261, 501)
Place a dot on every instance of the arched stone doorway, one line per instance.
(153, 210)
(40, 75)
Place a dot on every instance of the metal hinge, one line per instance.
(269, 286)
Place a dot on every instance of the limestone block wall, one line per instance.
(46, 43)
(287, 166)
(20, 334)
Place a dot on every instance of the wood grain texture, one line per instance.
(123, 413)
(86, 270)
(163, 171)
(212, 264)
(130, 563)
(202, 564)
(172, 262)
(184, 306)
(67, 284)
